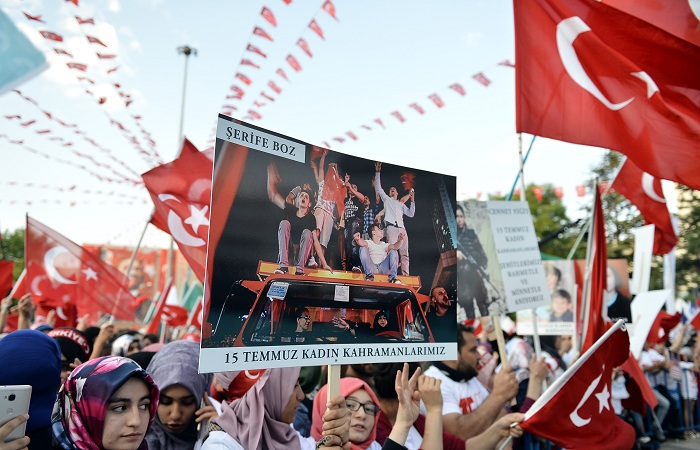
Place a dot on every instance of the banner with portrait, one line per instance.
(309, 264)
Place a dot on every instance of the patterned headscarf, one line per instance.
(79, 413)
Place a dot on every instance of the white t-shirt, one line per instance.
(646, 359)
(458, 397)
(220, 440)
(377, 252)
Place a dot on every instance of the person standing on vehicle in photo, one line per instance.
(394, 211)
(298, 227)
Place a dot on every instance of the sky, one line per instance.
(376, 58)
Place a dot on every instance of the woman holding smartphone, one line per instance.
(107, 403)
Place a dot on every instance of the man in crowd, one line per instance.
(468, 408)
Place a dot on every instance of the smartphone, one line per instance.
(14, 401)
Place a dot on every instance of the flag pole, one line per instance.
(585, 301)
(522, 164)
(128, 269)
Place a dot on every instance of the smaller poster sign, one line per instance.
(557, 318)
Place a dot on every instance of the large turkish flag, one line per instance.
(591, 74)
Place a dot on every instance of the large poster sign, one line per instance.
(499, 264)
(316, 257)
(557, 318)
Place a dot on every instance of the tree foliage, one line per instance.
(12, 249)
(688, 255)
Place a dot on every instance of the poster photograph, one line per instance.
(499, 267)
(309, 264)
(557, 318)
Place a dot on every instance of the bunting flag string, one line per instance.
(77, 67)
(46, 133)
(100, 177)
(154, 156)
(73, 189)
(435, 98)
(78, 131)
(540, 192)
(72, 204)
(291, 60)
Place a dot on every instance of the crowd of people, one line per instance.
(104, 388)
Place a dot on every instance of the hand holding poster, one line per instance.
(308, 266)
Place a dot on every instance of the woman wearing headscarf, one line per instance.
(364, 407)
(31, 357)
(182, 391)
(125, 345)
(106, 403)
(261, 419)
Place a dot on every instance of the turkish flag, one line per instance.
(30, 17)
(663, 324)
(254, 49)
(89, 21)
(247, 62)
(538, 193)
(104, 56)
(437, 100)
(458, 88)
(50, 35)
(244, 78)
(644, 191)
(305, 47)
(558, 192)
(329, 8)
(680, 18)
(181, 192)
(281, 73)
(262, 33)
(316, 28)
(94, 40)
(294, 63)
(594, 316)
(590, 74)
(274, 87)
(417, 107)
(156, 318)
(267, 15)
(333, 188)
(398, 116)
(5, 277)
(60, 272)
(631, 367)
(576, 411)
(62, 52)
(481, 78)
(174, 315)
(77, 66)
(581, 190)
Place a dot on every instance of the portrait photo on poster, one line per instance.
(309, 261)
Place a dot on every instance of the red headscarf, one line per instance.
(347, 387)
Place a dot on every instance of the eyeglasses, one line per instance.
(306, 316)
(371, 409)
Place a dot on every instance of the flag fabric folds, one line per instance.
(576, 412)
(181, 192)
(588, 73)
(60, 272)
(595, 317)
(644, 191)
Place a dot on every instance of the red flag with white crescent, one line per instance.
(417, 107)
(329, 7)
(305, 47)
(576, 412)
(254, 49)
(105, 56)
(580, 78)
(181, 191)
(274, 87)
(292, 61)
(77, 66)
(267, 15)
(62, 52)
(262, 33)
(281, 73)
(94, 40)
(89, 21)
(34, 18)
(316, 28)
(61, 272)
(437, 100)
(581, 190)
(398, 116)
(333, 188)
(644, 191)
(244, 78)
(50, 35)
(247, 62)
(481, 78)
(458, 88)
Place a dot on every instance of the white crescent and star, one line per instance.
(603, 401)
(177, 228)
(89, 274)
(648, 188)
(50, 268)
(567, 32)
